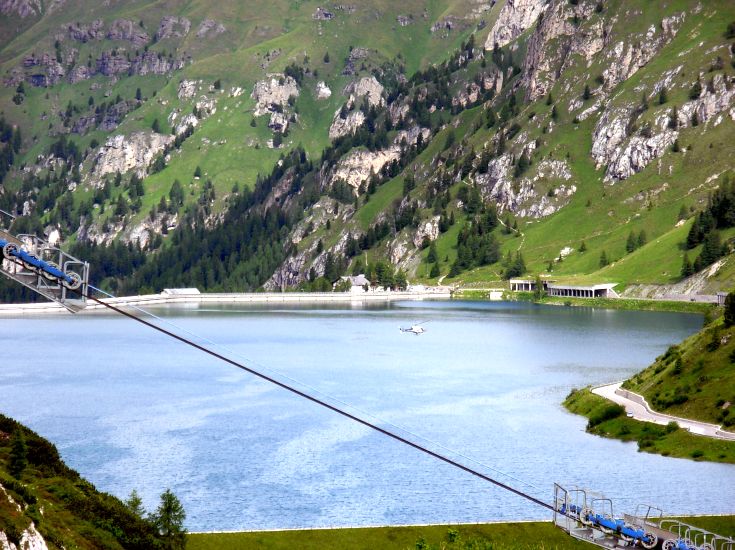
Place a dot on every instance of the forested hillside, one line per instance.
(275, 145)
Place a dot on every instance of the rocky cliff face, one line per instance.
(624, 154)
(368, 88)
(357, 167)
(555, 40)
(528, 197)
(123, 153)
(347, 125)
(625, 59)
(515, 17)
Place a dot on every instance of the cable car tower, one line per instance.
(45, 269)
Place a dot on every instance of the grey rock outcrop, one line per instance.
(357, 167)
(345, 126)
(110, 64)
(188, 88)
(637, 154)
(428, 229)
(322, 14)
(155, 63)
(21, 8)
(210, 28)
(521, 196)
(544, 62)
(625, 156)
(278, 122)
(624, 60)
(322, 90)
(367, 87)
(84, 33)
(717, 97)
(172, 27)
(124, 29)
(622, 155)
(515, 17)
(183, 124)
(43, 70)
(134, 152)
(274, 91)
(79, 73)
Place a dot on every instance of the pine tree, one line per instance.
(696, 90)
(434, 271)
(135, 504)
(156, 126)
(674, 118)
(431, 257)
(630, 244)
(583, 247)
(687, 268)
(663, 96)
(169, 521)
(18, 454)
(603, 259)
(729, 314)
(586, 94)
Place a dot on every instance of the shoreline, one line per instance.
(191, 296)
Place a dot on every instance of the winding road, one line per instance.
(637, 407)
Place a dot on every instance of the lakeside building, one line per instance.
(568, 291)
(358, 283)
(527, 285)
(592, 291)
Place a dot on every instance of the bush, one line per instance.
(608, 412)
(697, 453)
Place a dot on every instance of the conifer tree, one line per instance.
(18, 454)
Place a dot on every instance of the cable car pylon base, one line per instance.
(45, 269)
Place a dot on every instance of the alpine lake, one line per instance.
(130, 409)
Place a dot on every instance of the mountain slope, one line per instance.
(580, 137)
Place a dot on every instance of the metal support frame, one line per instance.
(73, 300)
(573, 508)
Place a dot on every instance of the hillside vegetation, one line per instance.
(695, 379)
(42, 499)
(245, 145)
